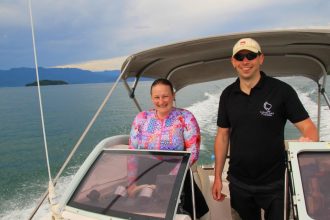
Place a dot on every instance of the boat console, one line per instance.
(129, 184)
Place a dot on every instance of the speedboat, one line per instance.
(99, 190)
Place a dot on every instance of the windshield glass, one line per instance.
(129, 183)
(315, 176)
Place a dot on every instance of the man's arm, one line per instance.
(308, 130)
(221, 144)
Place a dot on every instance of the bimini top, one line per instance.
(304, 52)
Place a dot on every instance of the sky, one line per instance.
(99, 34)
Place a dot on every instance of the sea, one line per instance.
(68, 109)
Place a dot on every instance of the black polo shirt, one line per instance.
(256, 122)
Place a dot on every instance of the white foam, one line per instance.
(206, 112)
(311, 107)
(15, 211)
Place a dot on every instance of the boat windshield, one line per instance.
(133, 184)
(315, 175)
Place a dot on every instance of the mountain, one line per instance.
(22, 76)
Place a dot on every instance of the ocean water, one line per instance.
(68, 110)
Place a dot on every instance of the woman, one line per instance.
(165, 127)
(168, 128)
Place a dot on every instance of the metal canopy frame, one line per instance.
(298, 52)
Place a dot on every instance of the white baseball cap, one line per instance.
(246, 44)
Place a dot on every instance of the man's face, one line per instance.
(247, 63)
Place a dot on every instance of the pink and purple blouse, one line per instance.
(179, 131)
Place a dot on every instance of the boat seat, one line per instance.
(118, 146)
(182, 217)
(204, 179)
(118, 142)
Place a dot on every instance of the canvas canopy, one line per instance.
(287, 53)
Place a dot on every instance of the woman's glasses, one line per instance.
(249, 56)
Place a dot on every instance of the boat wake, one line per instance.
(16, 211)
(311, 108)
(206, 112)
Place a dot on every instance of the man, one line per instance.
(252, 116)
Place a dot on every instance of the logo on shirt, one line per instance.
(267, 112)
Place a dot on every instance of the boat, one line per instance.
(98, 192)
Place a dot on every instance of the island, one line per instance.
(47, 82)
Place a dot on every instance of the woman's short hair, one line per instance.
(162, 81)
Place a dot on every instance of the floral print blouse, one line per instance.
(179, 131)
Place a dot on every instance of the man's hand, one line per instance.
(216, 190)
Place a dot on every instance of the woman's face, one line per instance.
(162, 98)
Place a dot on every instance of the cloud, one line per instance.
(148, 18)
(76, 31)
(98, 65)
(151, 23)
(13, 13)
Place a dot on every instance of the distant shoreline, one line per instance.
(23, 76)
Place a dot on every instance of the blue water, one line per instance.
(68, 110)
